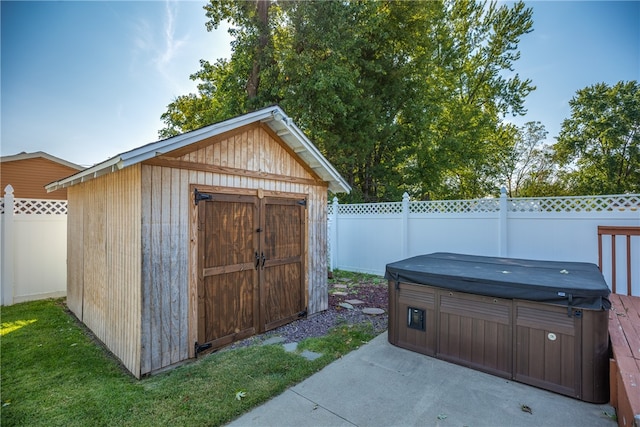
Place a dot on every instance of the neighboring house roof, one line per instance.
(28, 173)
(274, 117)
(26, 156)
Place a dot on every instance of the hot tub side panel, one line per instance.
(547, 352)
(562, 353)
(595, 356)
(414, 308)
(552, 347)
(475, 331)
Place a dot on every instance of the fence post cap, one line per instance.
(8, 190)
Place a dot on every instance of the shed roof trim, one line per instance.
(274, 117)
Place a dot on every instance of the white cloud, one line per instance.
(156, 48)
(172, 45)
(143, 40)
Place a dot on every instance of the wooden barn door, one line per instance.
(282, 296)
(227, 287)
(251, 265)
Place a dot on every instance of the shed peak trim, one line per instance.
(274, 117)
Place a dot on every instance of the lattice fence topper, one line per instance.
(39, 207)
(371, 208)
(622, 202)
(575, 204)
(455, 206)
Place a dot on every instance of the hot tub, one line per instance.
(542, 323)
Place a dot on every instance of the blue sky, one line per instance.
(85, 81)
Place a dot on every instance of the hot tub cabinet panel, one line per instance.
(412, 299)
(475, 331)
(561, 348)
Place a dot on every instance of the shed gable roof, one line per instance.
(273, 117)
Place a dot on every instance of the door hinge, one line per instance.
(302, 202)
(198, 196)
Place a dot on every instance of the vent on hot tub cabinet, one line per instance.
(415, 318)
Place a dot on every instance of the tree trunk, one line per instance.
(253, 83)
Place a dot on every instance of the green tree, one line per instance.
(460, 153)
(356, 82)
(598, 147)
(543, 178)
(400, 96)
(525, 159)
(228, 87)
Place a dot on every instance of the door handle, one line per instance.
(263, 260)
(257, 260)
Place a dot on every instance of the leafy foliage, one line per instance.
(599, 145)
(399, 96)
(526, 164)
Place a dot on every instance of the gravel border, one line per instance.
(319, 324)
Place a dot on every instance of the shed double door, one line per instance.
(251, 269)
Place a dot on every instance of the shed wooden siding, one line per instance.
(165, 267)
(317, 260)
(243, 162)
(104, 264)
(75, 250)
(29, 176)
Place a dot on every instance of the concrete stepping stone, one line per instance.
(372, 311)
(310, 355)
(290, 347)
(340, 294)
(273, 340)
(354, 301)
(346, 305)
(340, 286)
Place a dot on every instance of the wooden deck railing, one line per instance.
(614, 231)
(624, 375)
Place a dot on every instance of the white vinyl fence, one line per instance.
(34, 248)
(366, 237)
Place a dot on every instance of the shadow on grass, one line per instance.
(54, 372)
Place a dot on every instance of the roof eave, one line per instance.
(290, 133)
(95, 171)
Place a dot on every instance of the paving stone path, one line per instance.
(348, 304)
(291, 347)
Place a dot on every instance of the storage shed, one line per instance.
(199, 240)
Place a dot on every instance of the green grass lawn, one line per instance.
(54, 374)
